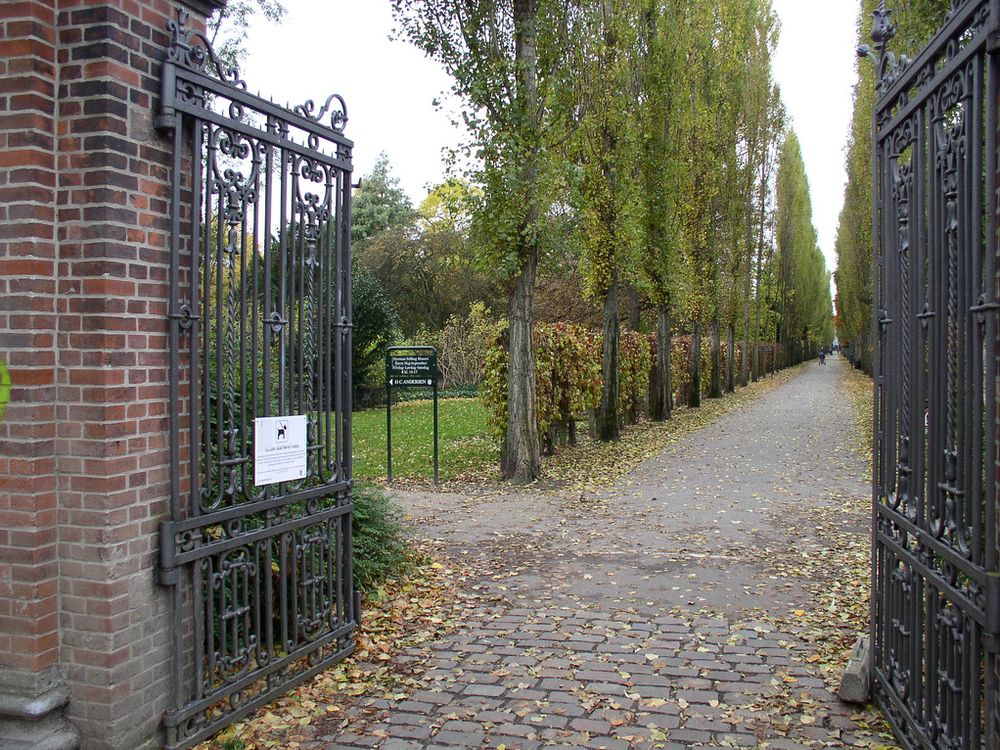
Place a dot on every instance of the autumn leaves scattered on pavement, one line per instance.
(405, 613)
(827, 557)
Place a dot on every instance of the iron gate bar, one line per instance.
(936, 593)
(259, 326)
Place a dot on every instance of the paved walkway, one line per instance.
(646, 616)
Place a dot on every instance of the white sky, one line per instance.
(815, 65)
(343, 46)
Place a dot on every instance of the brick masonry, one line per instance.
(84, 220)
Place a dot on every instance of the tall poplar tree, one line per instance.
(606, 146)
(915, 22)
(507, 60)
(805, 307)
(664, 80)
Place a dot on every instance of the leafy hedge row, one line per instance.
(680, 363)
(568, 376)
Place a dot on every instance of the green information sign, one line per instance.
(409, 367)
(411, 370)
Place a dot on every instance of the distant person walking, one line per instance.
(822, 356)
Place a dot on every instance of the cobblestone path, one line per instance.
(656, 614)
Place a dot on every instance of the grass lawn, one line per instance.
(467, 452)
(465, 448)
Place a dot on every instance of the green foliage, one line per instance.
(465, 447)
(509, 65)
(805, 307)
(509, 69)
(567, 376)
(426, 266)
(633, 140)
(375, 327)
(380, 548)
(915, 21)
(449, 206)
(379, 204)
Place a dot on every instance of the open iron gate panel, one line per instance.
(936, 598)
(257, 550)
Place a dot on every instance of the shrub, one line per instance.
(681, 363)
(567, 378)
(375, 328)
(380, 550)
(462, 345)
(635, 363)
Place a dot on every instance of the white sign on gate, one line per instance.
(279, 449)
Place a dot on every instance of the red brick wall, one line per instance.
(112, 381)
(84, 220)
(29, 641)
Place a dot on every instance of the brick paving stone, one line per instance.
(513, 743)
(482, 689)
(397, 744)
(608, 743)
(546, 657)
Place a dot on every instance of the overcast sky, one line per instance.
(343, 46)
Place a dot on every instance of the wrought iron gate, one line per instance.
(936, 598)
(257, 550)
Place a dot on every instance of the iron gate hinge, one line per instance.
(184, 316)
(991, 628)
(167, 573)
(167, 119)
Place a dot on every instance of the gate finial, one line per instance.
(883, 29)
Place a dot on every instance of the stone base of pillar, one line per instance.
(31, 716)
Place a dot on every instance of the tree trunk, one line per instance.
(694, 397)
(653, 396)
(607, 411)
(745, 354)
(715, 380)
(731, 353)
(520, 458)
(632, 294)
(758, 292)
(662, 405)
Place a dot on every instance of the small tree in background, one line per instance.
(375, 327)
(227, 28)
(379, 205)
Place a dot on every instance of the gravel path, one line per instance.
(655, 614)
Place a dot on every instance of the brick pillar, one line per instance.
(31, 688)
(84, 220)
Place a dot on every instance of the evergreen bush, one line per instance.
(380, 548)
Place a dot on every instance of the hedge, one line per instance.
(568, 376)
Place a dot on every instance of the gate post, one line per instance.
(32, 692)
(84, 454)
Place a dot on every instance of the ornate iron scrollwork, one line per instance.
(934, 531)
(260, 328)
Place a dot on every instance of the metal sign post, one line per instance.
(409, 367)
